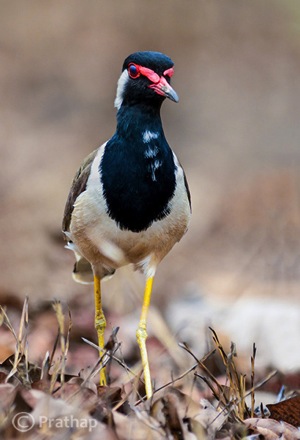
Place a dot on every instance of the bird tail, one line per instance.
(83, 272)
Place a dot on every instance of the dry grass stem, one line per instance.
(120, 411)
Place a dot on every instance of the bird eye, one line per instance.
(133, 71)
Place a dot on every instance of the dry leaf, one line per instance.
(272, 429)
(137, 426)
(286, 411)
(211, 419)
(7, 396)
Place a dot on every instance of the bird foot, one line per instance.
(141, 336)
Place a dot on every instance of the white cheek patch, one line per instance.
(120, 89)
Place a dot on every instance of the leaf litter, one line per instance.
(42, 400)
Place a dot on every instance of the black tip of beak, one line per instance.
(163, 88)
(170, 93)
(173, 96)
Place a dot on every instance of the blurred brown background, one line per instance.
(236, 130)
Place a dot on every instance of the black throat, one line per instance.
(137, 169)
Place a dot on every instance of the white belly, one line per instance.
(99, 239)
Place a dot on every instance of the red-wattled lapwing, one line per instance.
(129, 201)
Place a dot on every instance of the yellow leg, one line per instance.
(100, 323)
(141, 336)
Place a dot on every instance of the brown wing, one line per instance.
(78, 186)
(187, 190)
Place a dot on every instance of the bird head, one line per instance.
(145, 78)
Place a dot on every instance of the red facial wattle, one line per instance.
(159, 83)
(162, 87)
(169, 72)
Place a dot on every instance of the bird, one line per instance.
(129, 202)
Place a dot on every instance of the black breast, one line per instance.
(138, 181)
